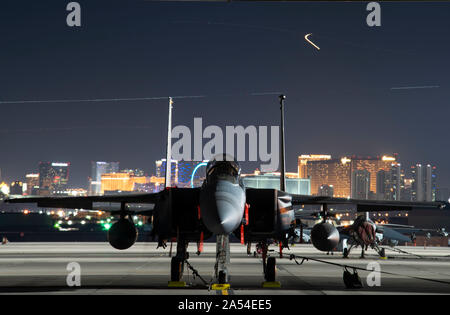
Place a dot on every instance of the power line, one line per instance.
(100, 99)
(131, 99)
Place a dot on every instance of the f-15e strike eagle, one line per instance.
(220, 207)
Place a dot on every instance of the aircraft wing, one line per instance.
(391, 234)
(363, 205)
(86, 203)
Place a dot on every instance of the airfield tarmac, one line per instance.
(41, 268)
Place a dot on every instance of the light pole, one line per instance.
(282, 151)
(168, 174)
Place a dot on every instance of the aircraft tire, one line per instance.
(176, 269)
(270, 269)
(222, 277)
(345, 253)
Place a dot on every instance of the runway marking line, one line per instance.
(177, 284)
(271, 284)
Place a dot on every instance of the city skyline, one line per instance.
(381, 177)
(355, 95)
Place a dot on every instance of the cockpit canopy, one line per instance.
(223, 165)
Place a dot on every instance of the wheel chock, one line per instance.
(385, 258)
(220, 286)
(271, 284)
(177, 284)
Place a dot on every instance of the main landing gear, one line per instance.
(346, 251)
(177, 262)
(269, 266)
(379, 250)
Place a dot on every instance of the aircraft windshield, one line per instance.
(223, 166)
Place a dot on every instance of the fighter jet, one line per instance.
(220, 207)
(363, 232)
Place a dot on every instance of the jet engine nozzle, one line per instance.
(122, 234)
(324, 236)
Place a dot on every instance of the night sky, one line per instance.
(339, 99)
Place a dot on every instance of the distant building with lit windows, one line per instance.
(53, 178)
(326, 191)
(161, 170)
(16, 188)
(334, 172)
(360, 184)
(32, 184)
(294, 185)
(185, 171)
(305, 158)
(97, 170)
(338, 172)
(390, 183)
(121, 182)
(424, 182)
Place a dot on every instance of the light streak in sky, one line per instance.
(309, 41)
(415, 87)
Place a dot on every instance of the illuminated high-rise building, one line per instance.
(381, 184)
(418, 185)
(294, 185)
(305, 158)
(161, 170)
(136, 172)
(121, 182)
(360, 184)
(424, 182)
(326, 191)
(45, 178)
(430, 183)
(61, 177)
(97, 170)
(32, 184)
(396, 182)
(53, 178)
(390, 183)
(406, 192)
(16, 188)
(333, 172)
(373, 165)
(338, 172)
(185, 171)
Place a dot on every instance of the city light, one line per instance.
(60, 164)
(106, 226)
(388, 158)
(4, 188)
(195, 170)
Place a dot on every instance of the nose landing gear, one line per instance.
(222, 259)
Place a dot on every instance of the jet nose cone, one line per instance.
(229, 217)
(222, 207)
